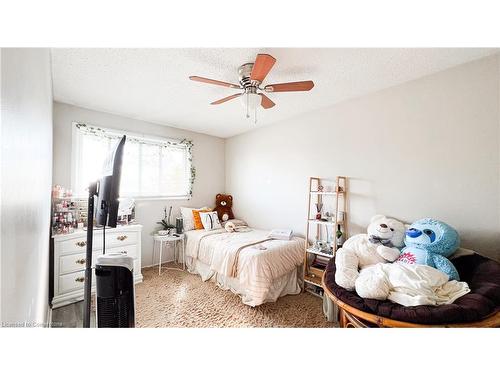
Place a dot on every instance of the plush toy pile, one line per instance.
(421, 274)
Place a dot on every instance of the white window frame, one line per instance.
(75, 152)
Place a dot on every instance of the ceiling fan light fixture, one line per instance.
(251, 101)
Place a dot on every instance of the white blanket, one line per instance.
(235, 255)
(409, 285)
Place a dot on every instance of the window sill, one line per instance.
(159, 198)
(176, 198)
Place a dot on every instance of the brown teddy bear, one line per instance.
(223, 204)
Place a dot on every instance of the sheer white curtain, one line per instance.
(152, 167)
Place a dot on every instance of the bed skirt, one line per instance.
(282, 286)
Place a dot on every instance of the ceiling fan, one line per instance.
(251, 76)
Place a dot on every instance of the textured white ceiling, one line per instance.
(153, 84)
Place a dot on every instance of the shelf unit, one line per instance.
(314, 257)
(74, 206)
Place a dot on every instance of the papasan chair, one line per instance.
(479, 308)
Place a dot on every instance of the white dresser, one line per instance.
(69, 259)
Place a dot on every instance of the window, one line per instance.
(152, 167)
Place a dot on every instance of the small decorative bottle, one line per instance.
(319, 207)
(340, 237)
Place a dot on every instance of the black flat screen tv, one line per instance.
(109, 187)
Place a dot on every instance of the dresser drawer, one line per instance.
(75, 262)
(74, 245)
(79, 244)
(129, 250)
(117, 239)
(73, 281)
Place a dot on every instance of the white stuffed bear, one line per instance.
(380, 244)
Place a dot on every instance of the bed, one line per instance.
(257, 269)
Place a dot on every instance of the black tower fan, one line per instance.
(115, 291)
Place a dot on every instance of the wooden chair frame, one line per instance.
(351, 317)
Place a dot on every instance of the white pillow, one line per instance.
(187, 217)
(210, 220)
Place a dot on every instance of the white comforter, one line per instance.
(409, 285)
(235, 255)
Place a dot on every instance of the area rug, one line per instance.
(177, 298)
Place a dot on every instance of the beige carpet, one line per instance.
(180, 299)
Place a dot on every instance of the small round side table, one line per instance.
(169, 239)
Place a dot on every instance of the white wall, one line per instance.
(26, 178)
(208, 158)
(429, 147)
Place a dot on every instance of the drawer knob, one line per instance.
(81, 243)
(80, 279)
(121, 238)
(80, 261)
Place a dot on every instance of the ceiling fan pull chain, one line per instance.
(248, 113)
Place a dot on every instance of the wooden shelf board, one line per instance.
(314, 294)
(313, 280)
(317, 252)
(325, 192)
(321, 270)
(321, 222)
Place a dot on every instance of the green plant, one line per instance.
(165, 225)
(165, 222)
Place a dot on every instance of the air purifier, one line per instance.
(115, 291)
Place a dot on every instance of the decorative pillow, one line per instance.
(187, 217)
(197, 219)
(210, 220)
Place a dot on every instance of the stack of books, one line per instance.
(320, 262)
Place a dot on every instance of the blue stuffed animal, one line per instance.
(429, 242)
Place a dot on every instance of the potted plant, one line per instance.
(165, 223)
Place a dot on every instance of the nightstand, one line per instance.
(171, 239)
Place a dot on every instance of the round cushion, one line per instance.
(482, 275)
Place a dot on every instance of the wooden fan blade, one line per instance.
(214, 82)
(290, 86)
(266, 102)
(223, 100)
(261, 67)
